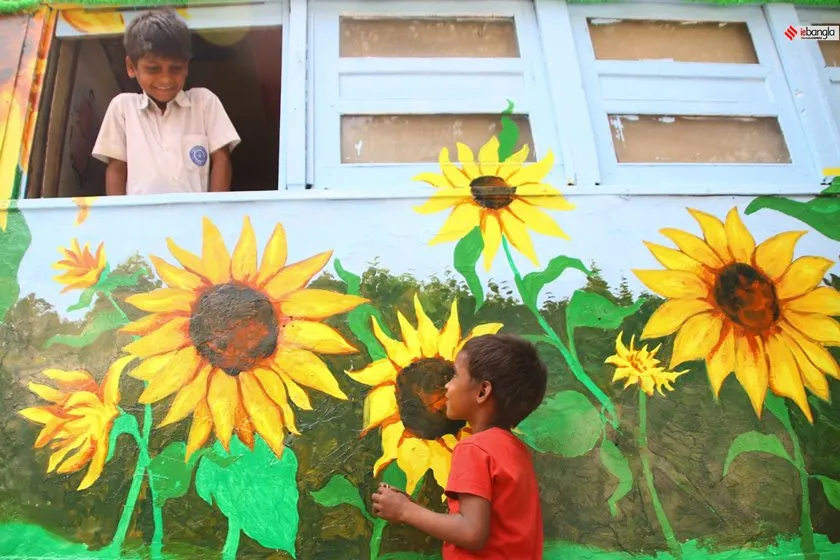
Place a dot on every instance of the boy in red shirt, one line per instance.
(492, 491)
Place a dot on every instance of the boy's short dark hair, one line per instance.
(514, 369)
(160, 33)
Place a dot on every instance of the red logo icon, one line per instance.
(791, 32)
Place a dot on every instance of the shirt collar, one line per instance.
(182, 100)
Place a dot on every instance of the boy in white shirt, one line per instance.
(164, 140)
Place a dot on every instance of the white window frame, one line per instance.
(799, 176)
(528, 88)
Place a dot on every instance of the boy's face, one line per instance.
(461, 391)
(161, 78)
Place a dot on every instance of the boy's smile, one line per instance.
(161, 78)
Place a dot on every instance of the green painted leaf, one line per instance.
(566, 424)
(169, 474)
(104, 321)
(755, 442)
(14, 242)
(589, 309)
(113, 281)
(394, 476)
(467, 252)
(834, 187)
(339, 491)
(777, 407)
(831, 488)
(259, 492)
(124, 424)
(359, 318)
(821, 213)
(617, 465)
(534, 282)
(85, 299)
(509, 135)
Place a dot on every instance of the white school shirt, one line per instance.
(165, 152)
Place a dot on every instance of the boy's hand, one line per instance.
(389, 503)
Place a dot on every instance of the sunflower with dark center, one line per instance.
(236, 342)
(752, 310)
(408, 399)
(501, 198)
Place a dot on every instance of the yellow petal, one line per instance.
(111, 383)
(462, 220)
(696, 338)
(816, 327)
(714, 233)
(693, 246)
(536, 219)
(202, 425)
(97, 464)
(78, 459)
(673, 259)
(244, 260)
(175, 277)
(465, 156)
(380, 371)
(318, 304)
(380, 404)
(721, 361)
(775, 254)
(803, 275)
(151, 367)
(434, 179)
(671, 315)
(317, 337)
(163, 300)
(813, 378)
(544, 196)
(297, 275)
(188, 260)
(751, 369)
(307, 369)
(94, 22)
(274, 255)
(824, 300)
(454, 176)
(187, 399)
(397, 351)
(148, 324)
(38, 414)
(741, 242)
(491, 232)
(223, 397)
(62, 451)
(263, 412)
(273, 386)
(451, 334)
(479, 330)
(46, 392)
(391, 435)
(178, 372)
(816, 353)
(214, 254)
(784, 376)
(488, 157)
(243, 427)
(516, 232)
(172, 336)
(441, 200)
(296, 393)
(673, 284)
(533, 173)
(70, 380)
(413, 458)
(409, 335)
(426, 330)
(440, 459)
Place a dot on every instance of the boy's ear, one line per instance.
(129, 68)
(484, 391)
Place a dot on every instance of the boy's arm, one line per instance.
(221, 170)
(116, 175)
(468, 529)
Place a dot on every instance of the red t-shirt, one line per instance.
(495, 465)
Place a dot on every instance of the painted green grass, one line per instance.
(22, 541)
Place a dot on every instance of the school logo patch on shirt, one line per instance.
(198, 155)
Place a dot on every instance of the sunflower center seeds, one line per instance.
(492, 192)
(747, 297)
(421, 397)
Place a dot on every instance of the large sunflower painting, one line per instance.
(752, 310)
(501, 198)
(235, 342)
(408, 401)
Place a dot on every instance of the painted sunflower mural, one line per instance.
(237, 342)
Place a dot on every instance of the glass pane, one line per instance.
(419, 138)
(428, 38)
(830, 50)
(687, 139)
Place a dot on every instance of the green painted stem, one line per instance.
(806, 527)
(157, 537)
(376, 537)
(133, 493)
(232, 539)
(570, 356)
(644, 454)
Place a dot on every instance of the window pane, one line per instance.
(428, 38)
(687, 139)
(830, 50)
(672, 40)
(419, 138)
